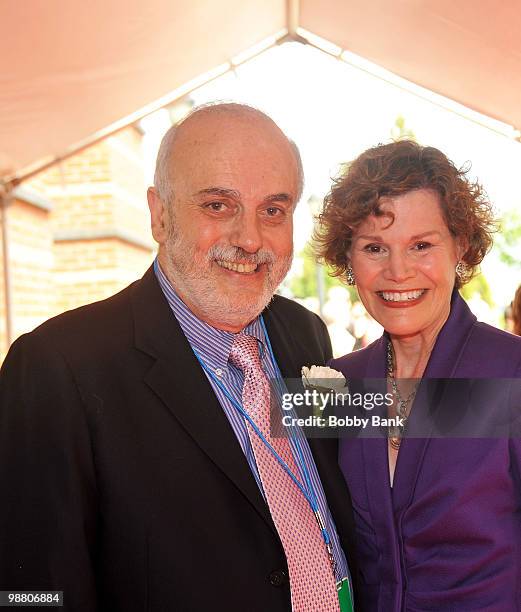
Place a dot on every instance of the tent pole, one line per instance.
(5, 201)
(292, 17)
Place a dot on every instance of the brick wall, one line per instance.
(78, 233)
(31, 263)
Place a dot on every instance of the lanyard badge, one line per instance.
(306, 487)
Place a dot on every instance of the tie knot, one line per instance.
(245, 353)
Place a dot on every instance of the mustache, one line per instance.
(231, 254)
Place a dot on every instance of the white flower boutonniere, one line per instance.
(322, 377)
(323, 384)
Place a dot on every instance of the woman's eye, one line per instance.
(422, 246)
(373, 248)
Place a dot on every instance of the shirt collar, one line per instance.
(211, 344)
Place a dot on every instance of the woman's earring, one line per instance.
(461, 270)
(350, 276)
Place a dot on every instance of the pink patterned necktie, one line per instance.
(312, 583)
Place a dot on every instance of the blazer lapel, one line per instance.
(177, 378)
(442, 364)
(376, 462)
(451, 340)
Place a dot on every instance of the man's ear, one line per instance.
(158, 215)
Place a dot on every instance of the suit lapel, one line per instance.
(177, 378)
(280, 341)
(292, 351)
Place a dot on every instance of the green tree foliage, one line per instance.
(508, 240)
(400, 131)
(480, 286)
(306, 284)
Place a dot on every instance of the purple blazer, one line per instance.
(447, 536)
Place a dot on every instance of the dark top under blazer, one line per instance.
(447, 536)
(122, 481)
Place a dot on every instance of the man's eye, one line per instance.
(215, 206)
(274, 211)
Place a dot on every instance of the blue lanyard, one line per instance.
(308, 492)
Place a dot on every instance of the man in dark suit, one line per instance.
(131, 477)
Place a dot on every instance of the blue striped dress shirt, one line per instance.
(213, 346)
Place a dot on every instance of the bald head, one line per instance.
(211, 122)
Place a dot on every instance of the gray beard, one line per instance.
(192, 277)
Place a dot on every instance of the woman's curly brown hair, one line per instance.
(392, 170)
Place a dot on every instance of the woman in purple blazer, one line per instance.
(438, 518)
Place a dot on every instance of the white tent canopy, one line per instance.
(72, 71)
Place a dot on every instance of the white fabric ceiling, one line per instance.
(70, 68)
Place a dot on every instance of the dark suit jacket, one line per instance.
(447, 536)
(122, 481)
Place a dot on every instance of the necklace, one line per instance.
(402, 405)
